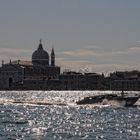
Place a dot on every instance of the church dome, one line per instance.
(40, 56)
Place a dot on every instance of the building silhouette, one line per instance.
(25, 74)
(41, 73)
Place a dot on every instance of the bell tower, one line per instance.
(52, 58)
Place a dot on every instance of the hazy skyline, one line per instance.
(94, 34)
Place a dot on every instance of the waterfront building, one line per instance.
(78, 81)
(127, 80)
(72, 81)
(16, 74)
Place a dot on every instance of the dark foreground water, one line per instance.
(26, 116)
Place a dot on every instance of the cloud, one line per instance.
(97, 52)
(14, 53)
(80, 53)
(134, 49)
(93, 58)
(94, 67)
(99, 60)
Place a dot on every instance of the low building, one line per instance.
(127, 80)
(72, 81)
(78, 81)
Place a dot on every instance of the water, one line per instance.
(27, 116)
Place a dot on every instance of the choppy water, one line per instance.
(26, 115)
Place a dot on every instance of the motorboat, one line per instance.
(123, 99)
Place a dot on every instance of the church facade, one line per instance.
(30, 74)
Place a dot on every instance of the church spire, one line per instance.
(40, 41)
(40, 46)
(2, 62)
(52, 58)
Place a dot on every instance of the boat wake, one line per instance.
(60, 98)
(113, 103)
(6, 101)
(105, 103)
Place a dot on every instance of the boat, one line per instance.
(123, 99)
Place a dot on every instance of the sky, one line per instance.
(87, 35)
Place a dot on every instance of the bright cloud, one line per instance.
(93, 67)
(80, 52)
(109, 59)
(101, 53)
(134, 50)
(79, 59)
(14, 54)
